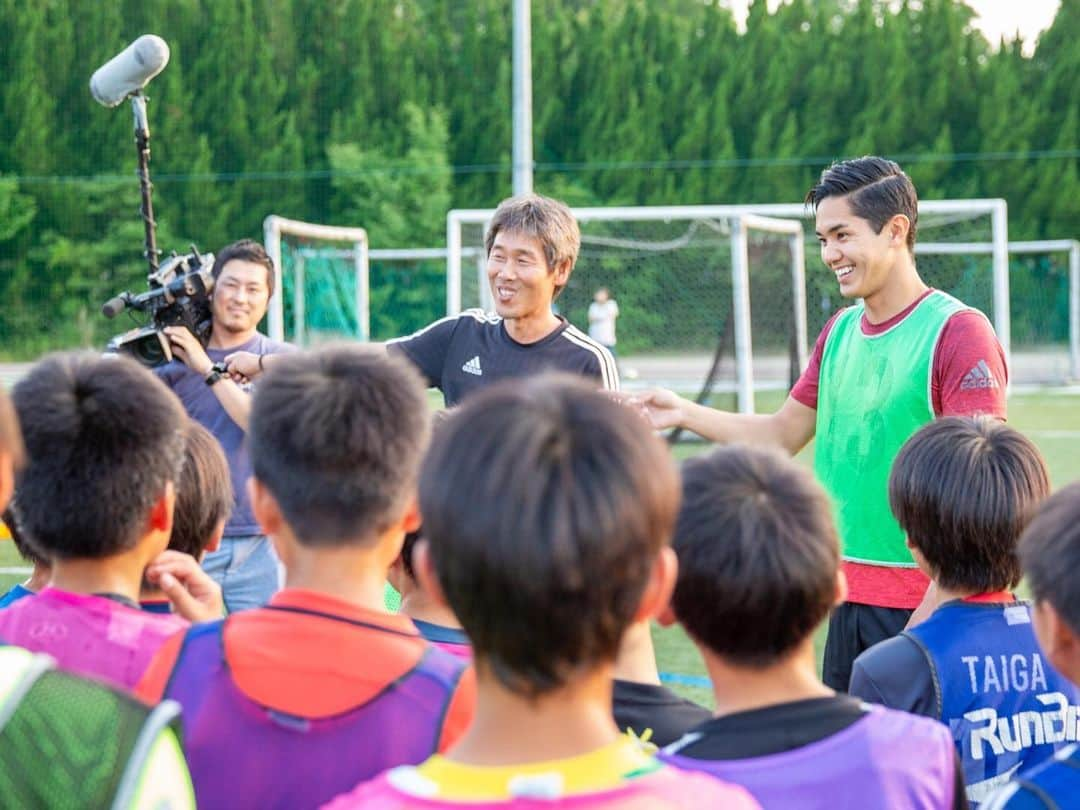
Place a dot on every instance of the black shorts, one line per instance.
(852, 629)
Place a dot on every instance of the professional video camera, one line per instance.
(179, 295)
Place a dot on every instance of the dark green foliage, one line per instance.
(384, 113)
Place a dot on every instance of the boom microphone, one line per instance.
(114, 306)
(130, 70)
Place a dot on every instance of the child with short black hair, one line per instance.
(56, 724)
(435, 621)
(290, 704)
(41, 572)
(12, 455)
(640, 703)
(103, 438)
(962, 489)
(204, 497)
(1050, 557)
(759, 570)
(549, 511)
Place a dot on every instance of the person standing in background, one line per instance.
(602, 314)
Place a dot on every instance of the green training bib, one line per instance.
(874, 393)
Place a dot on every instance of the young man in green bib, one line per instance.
(901, 356)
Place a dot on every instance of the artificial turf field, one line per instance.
(1051, 417)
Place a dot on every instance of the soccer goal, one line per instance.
(322, 281)
(691, 283)
(671, 271)
(1044, 303)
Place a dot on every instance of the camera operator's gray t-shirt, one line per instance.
(203, 406)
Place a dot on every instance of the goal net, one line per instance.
(322, 275)
(670, 271)
(1044, 297)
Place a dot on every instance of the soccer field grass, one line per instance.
(1051, 418)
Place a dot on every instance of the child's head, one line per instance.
(757, 549)
(962, 489)
(547, 507)
(1049, 547)
(204, 494)
(104, 439)
(336, 437)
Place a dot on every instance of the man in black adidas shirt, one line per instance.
(532, 245)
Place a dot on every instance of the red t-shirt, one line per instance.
(969, 376)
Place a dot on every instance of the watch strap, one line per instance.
(217, 371)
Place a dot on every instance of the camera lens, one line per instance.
(147, 349)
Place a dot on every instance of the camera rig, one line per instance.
(179, 295)
(180, 287)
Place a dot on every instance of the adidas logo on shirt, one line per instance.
(473, 367)
(980, 376)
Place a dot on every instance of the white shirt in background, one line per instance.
(602, 321)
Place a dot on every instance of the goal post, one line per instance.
(740, 282)
(314, 241)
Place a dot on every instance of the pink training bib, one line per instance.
(89, 635)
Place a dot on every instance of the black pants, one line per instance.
(852, 629)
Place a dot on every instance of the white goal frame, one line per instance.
(274, 227)
(1069, 246)
(741, 221)
(997, 247)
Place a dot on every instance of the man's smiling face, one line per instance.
(859, 257)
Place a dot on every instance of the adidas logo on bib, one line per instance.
(473, 367)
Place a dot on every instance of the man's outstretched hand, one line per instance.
(661, 408)
(243, 366)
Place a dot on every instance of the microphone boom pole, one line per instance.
(142, 147)
(125, 76)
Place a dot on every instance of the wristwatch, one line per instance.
(217, 371)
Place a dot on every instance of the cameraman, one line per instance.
(245, 565)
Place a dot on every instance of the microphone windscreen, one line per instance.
(113, 307)
(129, 70)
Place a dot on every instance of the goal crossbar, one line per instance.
(996, 209)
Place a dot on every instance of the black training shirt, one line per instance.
(464, 353)
(650, 707)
